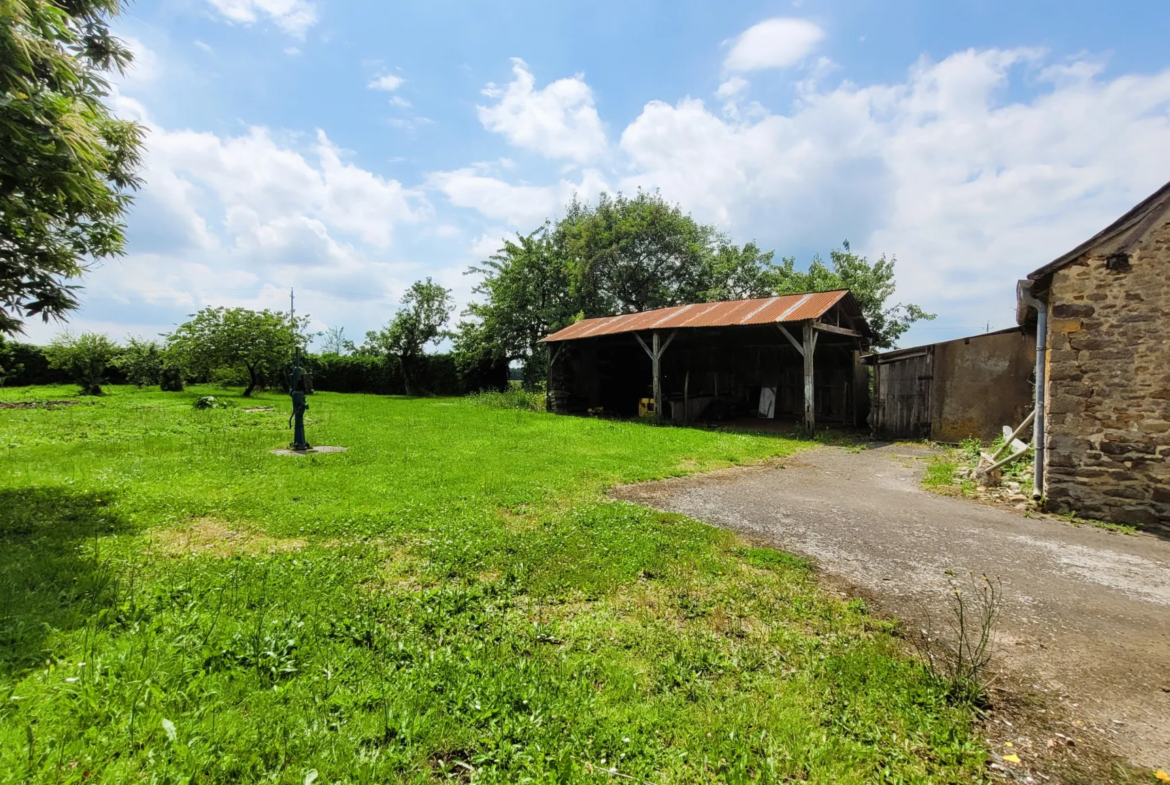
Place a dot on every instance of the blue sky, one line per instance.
(349, 148)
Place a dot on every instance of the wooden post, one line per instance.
(655, 358)
(687, 396)
(547, 376)
(810, 345)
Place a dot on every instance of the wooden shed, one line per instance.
(794, 357)
(949, 391)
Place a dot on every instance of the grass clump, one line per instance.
(452, 599)
(513, 397)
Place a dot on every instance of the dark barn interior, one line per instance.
(718, 361)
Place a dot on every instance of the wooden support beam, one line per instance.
(795, 343)
(644, 346)
(832, 328)
(810, 347)
(553, 357)
(669, 338)
(655, 358)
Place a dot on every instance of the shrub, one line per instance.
(960, 655)
(141, 361)
(171, 378)
(514, 397)
(84, 358)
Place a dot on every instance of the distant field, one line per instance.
(452, 599)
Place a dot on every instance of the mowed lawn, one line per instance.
(452, 599)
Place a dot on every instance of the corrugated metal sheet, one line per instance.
(729, 313)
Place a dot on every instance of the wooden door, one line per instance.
(902, 390)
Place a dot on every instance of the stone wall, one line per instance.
(1108, 435)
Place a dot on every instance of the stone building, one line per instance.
(1102, 313)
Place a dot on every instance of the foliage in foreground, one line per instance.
(453, 598)
(66, 163)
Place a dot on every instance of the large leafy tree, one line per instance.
(261, 343)
(635, 254)
(528, 290)
(66, 163)
(872, 283)
(426, 307)
(740, 273)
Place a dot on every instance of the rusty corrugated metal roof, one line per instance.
(728, 313)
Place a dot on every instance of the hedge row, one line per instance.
(26, 365)
(438, 374)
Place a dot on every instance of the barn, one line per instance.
(791, 358)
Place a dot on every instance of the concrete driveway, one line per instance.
(1086, 614)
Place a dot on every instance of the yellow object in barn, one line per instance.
(646, 407)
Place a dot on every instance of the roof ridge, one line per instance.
(1148, 208)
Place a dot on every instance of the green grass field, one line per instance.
(452, 599)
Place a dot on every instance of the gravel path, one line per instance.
(1086, 614)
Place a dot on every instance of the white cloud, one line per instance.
(387, 82)
(523, 207)
(294, 17)
(557, 121)
(970, 191)
(400, 102)
(235, 220)
(144, 67)
(773, 43)
(732, 88)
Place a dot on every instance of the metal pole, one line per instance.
(1024, 289)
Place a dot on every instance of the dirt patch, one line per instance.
(36, 404)
(215, 538)
(1084, 638)
(310, 451)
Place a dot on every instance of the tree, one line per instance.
(335, 342)
(258, 342)
(141, 361)
(84, 357)
(629, 255)
(528, 289)
(66, 164)
(741, 273)
(9, 365)
(871, 283)
(426, 307)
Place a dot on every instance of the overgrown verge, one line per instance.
(953, 471)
